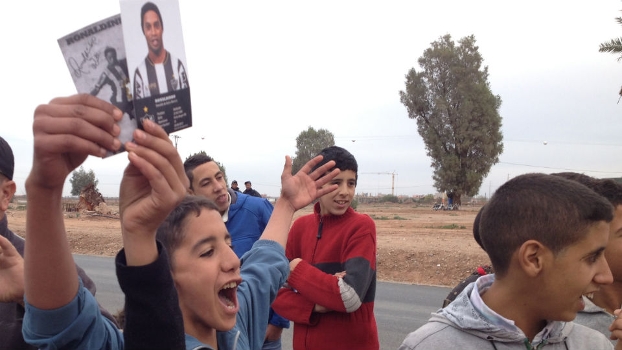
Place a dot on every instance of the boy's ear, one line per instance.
(532, 256)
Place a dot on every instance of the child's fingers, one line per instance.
(161, 156)
(326, 179)
(322, 170)
(287, 168)
(155, 138)
(57, 136)
(162, 193)
(84, 106)
(311, 163)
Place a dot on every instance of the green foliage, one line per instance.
(457, 114)
(389, 198)
(354, 203)
(80, 179)
(222, 167)
(427, 199)
(614, 45)
(309, 143)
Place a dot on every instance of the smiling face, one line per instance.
(579, 269)
(206, 272)
(338, 201)
(152, 28)
(209, 181)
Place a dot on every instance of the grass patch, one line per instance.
(383, 217)
(452, 227)
(448, 227)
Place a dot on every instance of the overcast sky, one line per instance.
(263, 71)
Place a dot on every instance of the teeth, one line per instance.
(590, 295)
(228, 302)
(229, 285)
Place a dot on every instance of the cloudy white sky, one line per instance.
(263, 71)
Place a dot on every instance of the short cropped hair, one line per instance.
(607, 188)
(111, 50)
(194, 161)
(611, 190)
(173, 230)
(344, 160)
(549, 209)
(476, 222)
(149, 6)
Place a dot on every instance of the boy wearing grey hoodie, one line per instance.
(545, 237)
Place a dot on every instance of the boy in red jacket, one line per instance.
(332, 283)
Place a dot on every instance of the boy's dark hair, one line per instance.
(476, 227)
(549, 209)
(172, 231)
(194, 161)
(607, 188)
(344, 160)
(110, 50)
(149, 6)
(611, 190)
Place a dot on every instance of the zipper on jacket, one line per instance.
(319, 235)
(319, 229)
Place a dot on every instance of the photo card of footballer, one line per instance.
(157, 62)
(96, 59)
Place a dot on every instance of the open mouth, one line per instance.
(228, 295)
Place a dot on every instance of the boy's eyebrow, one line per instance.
(207, 240)
(201, 242)
(597, 251)
(209, 178)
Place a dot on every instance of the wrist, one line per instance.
(35, 188)
(139, 250)
(285, 206)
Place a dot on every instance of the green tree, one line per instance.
(80, 179)
(309, 143)
(457, 114)
(222, 167)
(613, 46)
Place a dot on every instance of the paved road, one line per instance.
(400, 308)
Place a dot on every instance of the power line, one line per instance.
(567, 169)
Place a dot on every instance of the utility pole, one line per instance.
(176, 137)
(392, 179)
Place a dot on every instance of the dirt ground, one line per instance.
(415, 243)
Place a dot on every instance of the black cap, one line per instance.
(7, 162)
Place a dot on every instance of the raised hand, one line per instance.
(304, 187)
(153, 184)
(11, 273)
(66, 131)
(298, 191)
